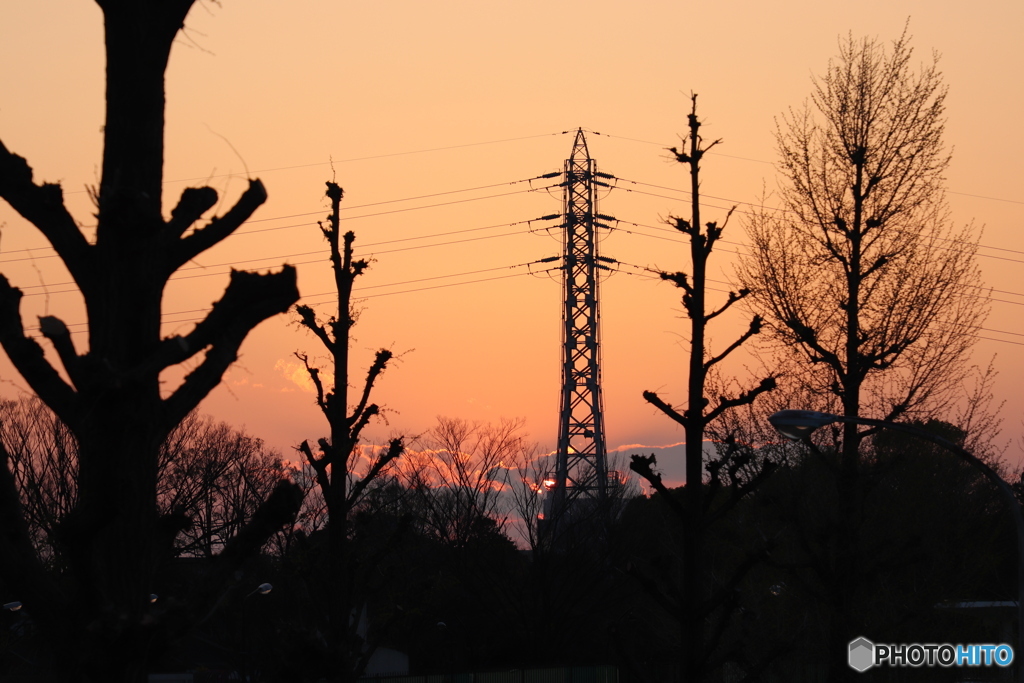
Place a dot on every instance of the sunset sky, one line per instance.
(433, 117)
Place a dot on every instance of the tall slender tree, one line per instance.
(861, 276)
(340, 483)
(99, 615)
(695, 604)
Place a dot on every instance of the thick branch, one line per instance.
(362, 419)
(667, 603)
(809, 338)
(395, 449)
(56, 331)
(194, 202)
(314, 374)
(319, 466)
(380, 363)
(199, 241)
(43, 206)
(733, 298)
(755, 328)
(27, 356)
(644, 466)
(680, 280)
(307, 318)
(250, 299)
(746, 398)
(653, 399)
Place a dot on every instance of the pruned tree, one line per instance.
(340, 481)
(864, 283)
(694, 606)
(100, 618)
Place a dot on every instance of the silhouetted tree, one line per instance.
(459, 474)
(100, 618)
(693, 608)
(217, 476)
(211, 474)
(335, 465)
(860, 274)
(936, 534)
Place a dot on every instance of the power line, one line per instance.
(739, 203)
(740, 244)
(366, 158)
(770, 163)
(370, 296)
(344, 208)
(298, 263)
(409, 199)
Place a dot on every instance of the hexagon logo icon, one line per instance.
(862, 654)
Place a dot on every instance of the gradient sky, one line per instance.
(409, 99)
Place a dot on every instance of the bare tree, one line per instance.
(341, 483)
(861, 274)
(461, 476)
(209, 474)
(861, 271)
(693, 608)
(216, 476)
(111, 400)
(43, 459)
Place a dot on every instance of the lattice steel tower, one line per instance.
(581, 467)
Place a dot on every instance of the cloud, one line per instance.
(671, 459)
(296, 373)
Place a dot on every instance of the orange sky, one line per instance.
(281, 89)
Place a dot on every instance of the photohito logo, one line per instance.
(863, 654)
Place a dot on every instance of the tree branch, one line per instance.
(194, 202)
(199, 241)
(307, 318)
(43, 206)
(249, 299)
(680, 280)
(746, 398)
(380, 363)
(56, 331)
(733, 298)
(314, 374)
(644, 466)
(807, 336)
(755, 328)
(27, 356)
(653, 399)
(318, 464)
(395, 449)
(362, 419)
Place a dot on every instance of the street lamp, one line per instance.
(262, 589)
(799, 424)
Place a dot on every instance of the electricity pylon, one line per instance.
(581, 464)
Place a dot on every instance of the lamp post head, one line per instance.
(796, 424)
